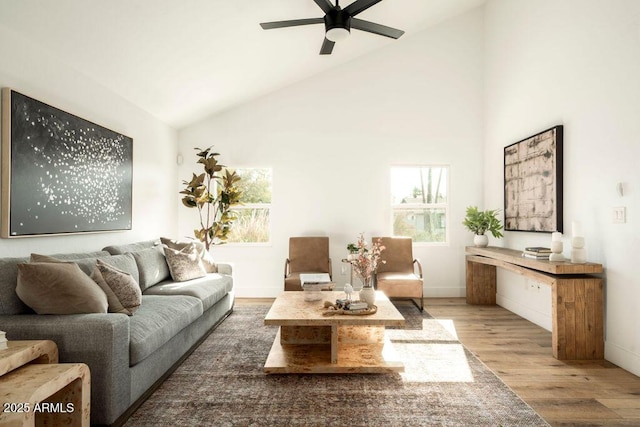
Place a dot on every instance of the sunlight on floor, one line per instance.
(449, 326)
(433, 353)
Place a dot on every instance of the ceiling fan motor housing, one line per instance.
(337, 18)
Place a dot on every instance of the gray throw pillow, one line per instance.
(184, 264)
(59, 288)
(124, 288)
(152, 266)
(207, 259)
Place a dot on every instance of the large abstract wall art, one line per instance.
(533, 183)
(61, 173)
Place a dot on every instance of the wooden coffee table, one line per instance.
(308, 342)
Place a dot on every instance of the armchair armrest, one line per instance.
(330, 270)
(287, 268)
(417, 262)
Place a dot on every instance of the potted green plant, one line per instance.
(214, 193)
(479, 222)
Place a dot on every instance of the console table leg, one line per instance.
(578, 322)
(481, 283)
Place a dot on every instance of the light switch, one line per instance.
(619, 215)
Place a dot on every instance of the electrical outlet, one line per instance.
(619, 215)
(343, 270)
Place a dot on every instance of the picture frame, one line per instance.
(61, 174)
(533, 183)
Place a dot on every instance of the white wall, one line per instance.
(30, 70)
(332, 138)
(576, 63)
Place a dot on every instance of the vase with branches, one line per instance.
(365, 264)
(214, 193)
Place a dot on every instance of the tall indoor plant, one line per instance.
(214, 193)
(479, 222)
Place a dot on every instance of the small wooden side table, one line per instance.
(35, 390)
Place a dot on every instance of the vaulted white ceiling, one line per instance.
(182, 60)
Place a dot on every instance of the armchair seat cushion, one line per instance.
(400, 285)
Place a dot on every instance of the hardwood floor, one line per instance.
(564, 393)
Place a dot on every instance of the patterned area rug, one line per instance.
(222, 384)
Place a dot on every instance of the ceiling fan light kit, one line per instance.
(338, 23)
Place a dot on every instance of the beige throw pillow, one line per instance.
(122, 291)
(184, 264)
(59, 288)
(207, 260)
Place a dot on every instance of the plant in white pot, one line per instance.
(480, 222)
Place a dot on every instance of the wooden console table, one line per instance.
(577, 296)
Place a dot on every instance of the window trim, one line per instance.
(405, 206)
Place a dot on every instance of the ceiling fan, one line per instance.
(338, 23)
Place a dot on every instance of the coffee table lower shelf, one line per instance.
(367, 358)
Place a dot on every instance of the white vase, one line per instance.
(481, 240)
(368, 295)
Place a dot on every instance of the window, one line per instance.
(420, 202)
(252, 224)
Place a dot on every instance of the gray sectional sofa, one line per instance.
(127, 355)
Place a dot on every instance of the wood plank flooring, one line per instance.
(564, 393)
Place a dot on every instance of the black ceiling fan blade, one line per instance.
(360, 5)
(325, 5)
(327, 47)
(291, 23)
(372, 27)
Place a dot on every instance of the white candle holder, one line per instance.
(578, 253)
(556, 247)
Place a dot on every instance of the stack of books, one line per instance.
(3, 340)
(536, 252)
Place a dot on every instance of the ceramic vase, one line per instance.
(481, 240)
(368, 295)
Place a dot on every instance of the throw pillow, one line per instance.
(207, 260)
(59, 288)
(152, 266)
(122, 286)
(184, 264)
(86, 264)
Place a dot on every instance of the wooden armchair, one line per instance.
(306, 255)
(397, 277)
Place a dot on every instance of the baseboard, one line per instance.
(541, 319)
(622, 357)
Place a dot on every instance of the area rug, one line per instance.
(222, 384)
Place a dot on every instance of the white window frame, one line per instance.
(404, 206)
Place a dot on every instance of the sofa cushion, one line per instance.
(86, 261)
(124, 262)
(131, 247)
(126, 291)
(205, 256)
(59, 288)
(152, 266)
(9, 301)
(184, 264)
(157, 321)
(209, 289)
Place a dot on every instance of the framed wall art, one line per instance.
(533, 183)
(61, 173)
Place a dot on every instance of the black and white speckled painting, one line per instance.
(68, 175)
